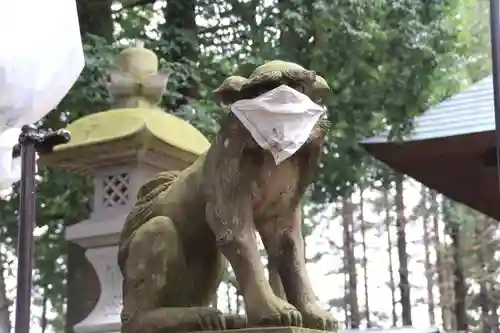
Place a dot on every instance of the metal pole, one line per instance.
(25, 232)
(495, 60)
(31, 140)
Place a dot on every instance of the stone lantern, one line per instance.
(118, 150)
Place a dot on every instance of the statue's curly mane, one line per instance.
(142, 211)
(238, 88)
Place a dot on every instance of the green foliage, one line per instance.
(384, 60)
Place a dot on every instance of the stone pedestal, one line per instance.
(105, 317)
(287, 329)
(115, 189)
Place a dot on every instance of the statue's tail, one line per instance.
(142, 211)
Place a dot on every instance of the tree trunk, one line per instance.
(453, 229)
(490, 227)
(345, 303)
(428, 267)
(449, 285)
(404, 283)
(350, 261)
(45, 300)
(5, 324)
(494, 320)
(392, 284)
(95, 18)
(485, 307)
(479, 230)
(440, 268)
(365, 259)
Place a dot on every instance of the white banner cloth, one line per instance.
(41, 57)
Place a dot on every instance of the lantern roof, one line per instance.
(116, 124)
(135, 126)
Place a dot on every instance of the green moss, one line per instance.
(119, 123)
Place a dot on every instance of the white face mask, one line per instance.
(280, 120)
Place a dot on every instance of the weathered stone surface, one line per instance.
(286, 329)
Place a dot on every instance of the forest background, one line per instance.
(386, 61)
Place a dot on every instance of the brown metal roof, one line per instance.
(462, 167)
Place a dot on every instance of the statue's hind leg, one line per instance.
(156, 266)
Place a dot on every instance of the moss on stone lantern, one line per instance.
(136, 128)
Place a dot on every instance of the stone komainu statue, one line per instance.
(175, 242)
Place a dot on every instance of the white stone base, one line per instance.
(105, 318)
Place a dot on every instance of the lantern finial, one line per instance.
(139, 44)
(134, 79)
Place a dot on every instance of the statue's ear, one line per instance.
(320, 87)
(228, 91)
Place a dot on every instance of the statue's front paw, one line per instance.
(316, 318)
(211, 319)
(275, 312)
